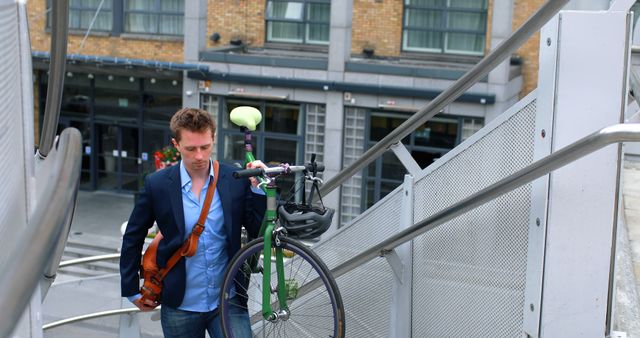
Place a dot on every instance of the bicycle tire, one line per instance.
(320, 313)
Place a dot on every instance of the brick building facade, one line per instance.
(327, 74)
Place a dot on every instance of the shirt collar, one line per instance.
(184, 174)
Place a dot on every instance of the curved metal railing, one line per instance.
(59, 28)
(88, 259)
(93, 316)
(20, 276)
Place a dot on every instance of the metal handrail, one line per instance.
(606, 136)
(59, 28)
(488, 63)
(20, 274)
(88, 259)
(93, 316)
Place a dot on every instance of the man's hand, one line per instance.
(252, 165)
(145, 305)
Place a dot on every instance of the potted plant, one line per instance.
(166, 157)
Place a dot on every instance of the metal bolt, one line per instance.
(548, 41)
(543, 133)
(531, 307)
(538, 221)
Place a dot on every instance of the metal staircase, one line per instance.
(510, 234)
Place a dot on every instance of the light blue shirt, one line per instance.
(205, 269)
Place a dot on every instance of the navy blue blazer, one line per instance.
(161, 201)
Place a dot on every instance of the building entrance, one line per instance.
(117, 157)
(123, 121)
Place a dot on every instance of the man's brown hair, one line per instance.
(193, 120)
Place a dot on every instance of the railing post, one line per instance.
(572, 234)
(406, 159)
(401, 261)
(129, 323)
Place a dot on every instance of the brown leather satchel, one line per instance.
(153, 276)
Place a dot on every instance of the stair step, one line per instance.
(111, 265)
(94, 242)
(84, 251)
(81, 245)
(79, 271)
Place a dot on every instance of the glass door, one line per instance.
(129, 158)
(118, 159)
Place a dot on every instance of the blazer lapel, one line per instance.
(175, 193)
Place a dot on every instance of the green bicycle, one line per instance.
(289, 290)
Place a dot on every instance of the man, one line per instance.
(173, 198)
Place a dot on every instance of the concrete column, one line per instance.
(499, 76)
(339, 37)
(195, 38)
(339, 52)
(333, 138)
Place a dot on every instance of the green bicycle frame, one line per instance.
(266, 230)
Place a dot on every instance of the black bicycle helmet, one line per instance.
(304, 222)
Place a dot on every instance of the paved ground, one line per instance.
(631, 193)
(627, 279)
(97, 220)
(101, 213)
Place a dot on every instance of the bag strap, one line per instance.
(190, 246)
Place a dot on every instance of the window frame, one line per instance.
(260, 134)
(118, 21)
(444, 29)
(80, 10)
(376, 177)
(305, 21)
(157, 11)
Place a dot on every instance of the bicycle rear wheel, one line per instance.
(318, 313)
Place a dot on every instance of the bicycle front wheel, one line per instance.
(318, 313)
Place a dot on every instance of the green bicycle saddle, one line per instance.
(245, 116)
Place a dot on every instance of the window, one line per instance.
(163, 17)
(278, 138)
(83, 12)
(157, 17)
(426, 144)
(445, 26)
(302, 21)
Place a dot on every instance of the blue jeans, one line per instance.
(178, 323)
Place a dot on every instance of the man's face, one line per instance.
(195, 149)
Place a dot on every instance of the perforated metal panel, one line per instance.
(469, 273)
(366, 291)
(12, 170)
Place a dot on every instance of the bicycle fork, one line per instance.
(281, 290)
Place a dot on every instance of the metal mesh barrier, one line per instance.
(366, 291)
(13, 213)
(469, 273)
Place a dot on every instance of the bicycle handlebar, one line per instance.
(277, 170)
